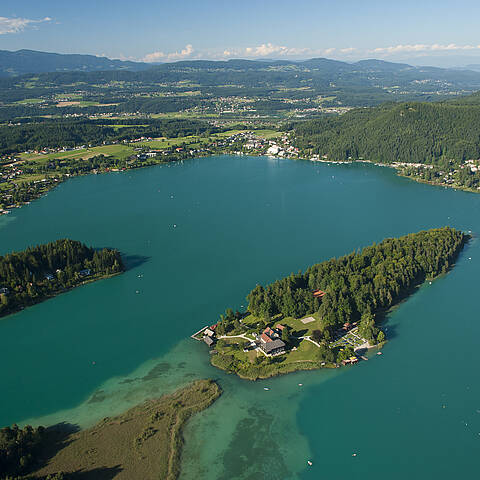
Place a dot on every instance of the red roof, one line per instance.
(280, 327)
(269, 331)
(265, 338)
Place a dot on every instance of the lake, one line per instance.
(196, 238)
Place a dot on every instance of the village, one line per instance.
(28, 175)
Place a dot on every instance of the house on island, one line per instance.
(270, 342)
(208, 340)
(273, 347)
(209, 333)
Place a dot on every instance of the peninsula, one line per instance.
(144, 442)
(330, 314)
(43, 271)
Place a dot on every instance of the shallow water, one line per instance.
(196, 238)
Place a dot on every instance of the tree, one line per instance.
(380, 337)
(285, 335)
(317, 335)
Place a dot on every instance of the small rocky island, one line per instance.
(331, 314)
(43, 271)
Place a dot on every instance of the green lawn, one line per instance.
(26, 101)
(119, 151)
(268, 134)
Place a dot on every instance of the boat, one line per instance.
(300, 384)
(310, 463)
(379, 353)
(266, 388)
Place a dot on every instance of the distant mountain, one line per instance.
(30, 61)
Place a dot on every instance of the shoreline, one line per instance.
(396, 167)
(146, 439)
(65, 290)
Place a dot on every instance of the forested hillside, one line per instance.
(408, 132)
(30, 276)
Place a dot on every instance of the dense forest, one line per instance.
(361, 284)
(408, 132)
(19, 450)
(39, 272)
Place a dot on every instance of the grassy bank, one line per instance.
(143, 443)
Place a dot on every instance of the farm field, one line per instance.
(119, 151)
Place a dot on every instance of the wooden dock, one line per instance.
(363, 357)
(194, 336)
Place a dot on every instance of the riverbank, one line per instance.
(143, 443)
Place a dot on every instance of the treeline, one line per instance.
(71, 133)
(19, 450)
(363, 283)
(39, 272)
(408, 132)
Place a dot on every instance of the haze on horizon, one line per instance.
(421, 33)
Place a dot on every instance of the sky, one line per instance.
(170, 30)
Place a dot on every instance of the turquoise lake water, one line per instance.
(197, 237)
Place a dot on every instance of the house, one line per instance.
(85, 272)
(49, 276)
(274, 347)
(350, 361)
(264, 338)
(319, 293)
(209, 341)
(268, 335)
(280, 327)
(208, 332)
(4, 291)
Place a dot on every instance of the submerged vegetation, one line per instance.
(344, 299)
(144, 442)
(43, 271)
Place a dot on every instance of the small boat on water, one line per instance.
(379, 353)
(300, 384)
(266, 388)
(310, 463)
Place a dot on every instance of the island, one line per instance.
(144, 442)
(43, 271)
(332, 313)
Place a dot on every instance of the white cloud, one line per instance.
(16, 24)
(420, 47)
(264, 50)
(348, 50)
(187, 52)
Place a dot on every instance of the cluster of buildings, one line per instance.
(209, 336)
(10, 173)
(270, 342)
